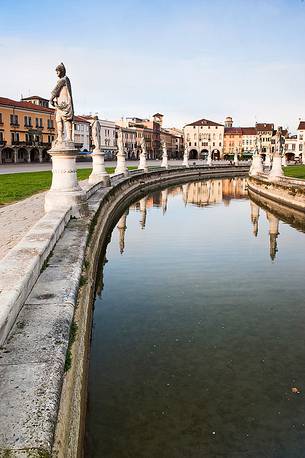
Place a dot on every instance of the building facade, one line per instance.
(265, 131)
(81, 133)
(203, 136)
(26, 131)
(300, 145)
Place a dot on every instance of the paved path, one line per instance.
(37, 167)
(17, 219)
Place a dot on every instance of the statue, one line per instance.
(279, 140)
(143, 146)
(61, 99)
(120, 143)
(96, 133)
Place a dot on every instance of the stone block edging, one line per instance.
(285, 191)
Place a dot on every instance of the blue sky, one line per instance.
(185, 59)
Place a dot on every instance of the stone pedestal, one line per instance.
(99, 174)
(276, 169)
(65, 190)
(143, 164)
(185, 159)
(121, 164)
(257, 165)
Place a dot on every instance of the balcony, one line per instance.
(2, 142)
(15, 124)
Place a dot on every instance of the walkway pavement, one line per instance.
(16, 220)
(37, 167)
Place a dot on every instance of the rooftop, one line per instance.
(204, 122)
(24, 105)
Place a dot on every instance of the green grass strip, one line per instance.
(295, 171)
(18, 186)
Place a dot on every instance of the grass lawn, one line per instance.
(17, 186)
(295, 171)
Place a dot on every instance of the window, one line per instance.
(1, 136)
(14, 120)
(301, 137)
(15, 137)
(50, 124)
(1, 122)
(190, 143)
(301, 147)
(195, 144)
(27, 121)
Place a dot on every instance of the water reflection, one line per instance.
(122, 229)
(198, 340)
(273, 233)
(204, 193)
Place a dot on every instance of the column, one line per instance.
(99, 173)
(65, 190)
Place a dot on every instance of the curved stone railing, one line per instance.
(54, 285)
(284, 190)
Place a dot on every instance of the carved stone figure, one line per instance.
(143, 146)
(61, 99)
(96, 133)
(120, 143)
(279, 140)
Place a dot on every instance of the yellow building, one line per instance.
(27, 130)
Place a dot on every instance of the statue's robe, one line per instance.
(64, 102)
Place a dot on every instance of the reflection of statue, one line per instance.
(96, 133)
(61, 99)
(273, 233)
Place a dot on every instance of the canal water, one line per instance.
(198, 346)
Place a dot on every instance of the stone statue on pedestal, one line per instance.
(143, 146)
(61, 99)
(120, 143)
(96, 133)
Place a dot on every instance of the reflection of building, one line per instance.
(203, 136)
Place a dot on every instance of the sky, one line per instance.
(186, 59)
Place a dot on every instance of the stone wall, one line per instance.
(286, 191)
